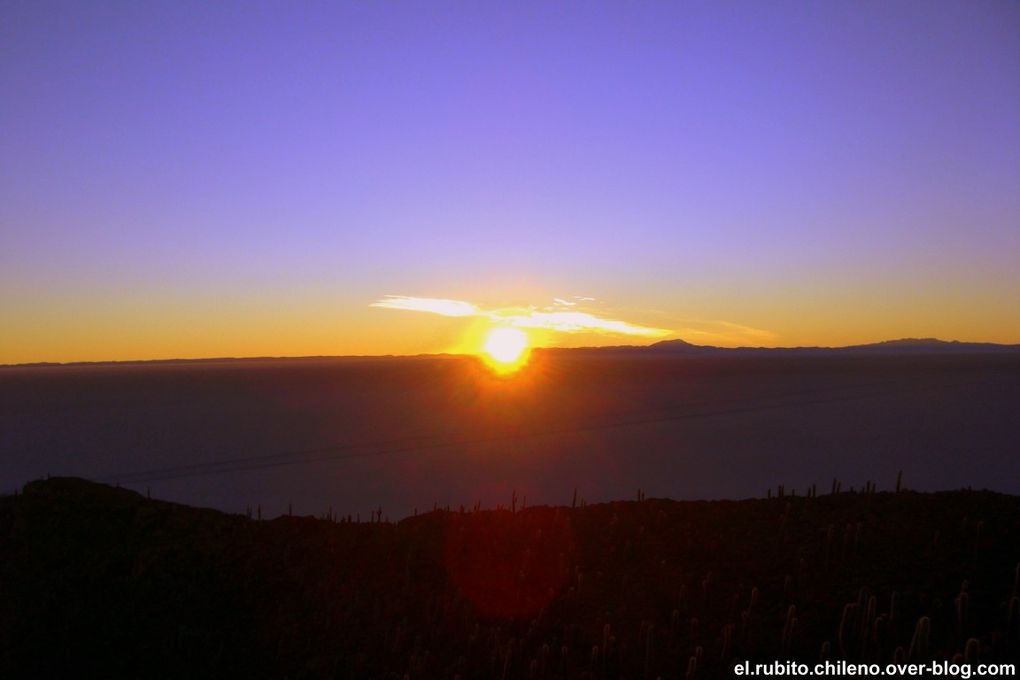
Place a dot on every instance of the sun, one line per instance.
(506, 349)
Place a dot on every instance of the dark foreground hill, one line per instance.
(101, 582)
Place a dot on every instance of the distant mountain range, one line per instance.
(903, 346)
(888, 347)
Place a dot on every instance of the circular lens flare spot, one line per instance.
(509, 565)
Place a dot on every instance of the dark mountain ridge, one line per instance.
(902, 346)
(675, 347)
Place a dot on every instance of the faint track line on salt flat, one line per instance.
(415, 443)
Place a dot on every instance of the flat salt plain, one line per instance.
(402, 434)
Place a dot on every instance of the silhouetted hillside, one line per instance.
(101, 582)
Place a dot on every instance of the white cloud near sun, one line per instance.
(439, 306)
(579, 322)
(562, 317)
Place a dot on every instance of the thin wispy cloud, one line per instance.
(579, 322)
(559, 318)
(724, 332)
(439, 306)
(572, 302)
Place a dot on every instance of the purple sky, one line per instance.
(194, 179)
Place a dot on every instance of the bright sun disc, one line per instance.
(506, 347)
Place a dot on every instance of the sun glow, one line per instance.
(506, 349)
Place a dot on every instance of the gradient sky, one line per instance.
(218, 179)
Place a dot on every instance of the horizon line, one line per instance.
(172, 360)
